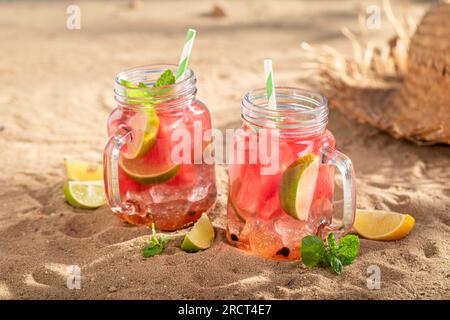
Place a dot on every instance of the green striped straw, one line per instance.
(270, 84)
(184, 60)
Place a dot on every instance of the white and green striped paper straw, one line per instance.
(270, 84)
(184, 60)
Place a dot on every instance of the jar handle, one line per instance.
(111, 166)
(344, 165)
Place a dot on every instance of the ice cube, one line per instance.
(291, 230)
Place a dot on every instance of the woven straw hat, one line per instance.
(404, 88)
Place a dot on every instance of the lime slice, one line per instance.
(135, 91)
(145, 124)
(85, 194)
(83, 171)
(144, 172)
(200, 237)
(298, 184)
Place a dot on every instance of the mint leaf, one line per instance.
(348, 249)
(336, 264)
(326, 260)
(165, 79)
(312, 250)
(330, 254)
(152, 250)
(331, 241)
(156, 245)
(154, 238)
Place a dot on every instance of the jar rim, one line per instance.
(148, 74)
(298, 110)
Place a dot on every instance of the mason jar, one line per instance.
(281, 179)
(144, 183)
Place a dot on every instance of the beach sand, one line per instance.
(55, 97)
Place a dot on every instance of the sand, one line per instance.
(55, 97)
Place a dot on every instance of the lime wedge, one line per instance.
(85, 194)
(83, 171)
(146, 125)
(200, 237)
(135, 91)
(144, 172)
(298, 184)
(145, 122)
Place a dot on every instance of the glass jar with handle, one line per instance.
(281, 179)
(143, 182)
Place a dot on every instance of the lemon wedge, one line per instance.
(83, 171)
(382, 225)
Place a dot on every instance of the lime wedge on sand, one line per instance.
(200, 237)
(298, 184)
(83, 171)
(85, 194)
(146, 122)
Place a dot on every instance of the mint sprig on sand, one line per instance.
(156, 245)
(315, 252)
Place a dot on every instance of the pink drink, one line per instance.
(256, 221)
(178, 193)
